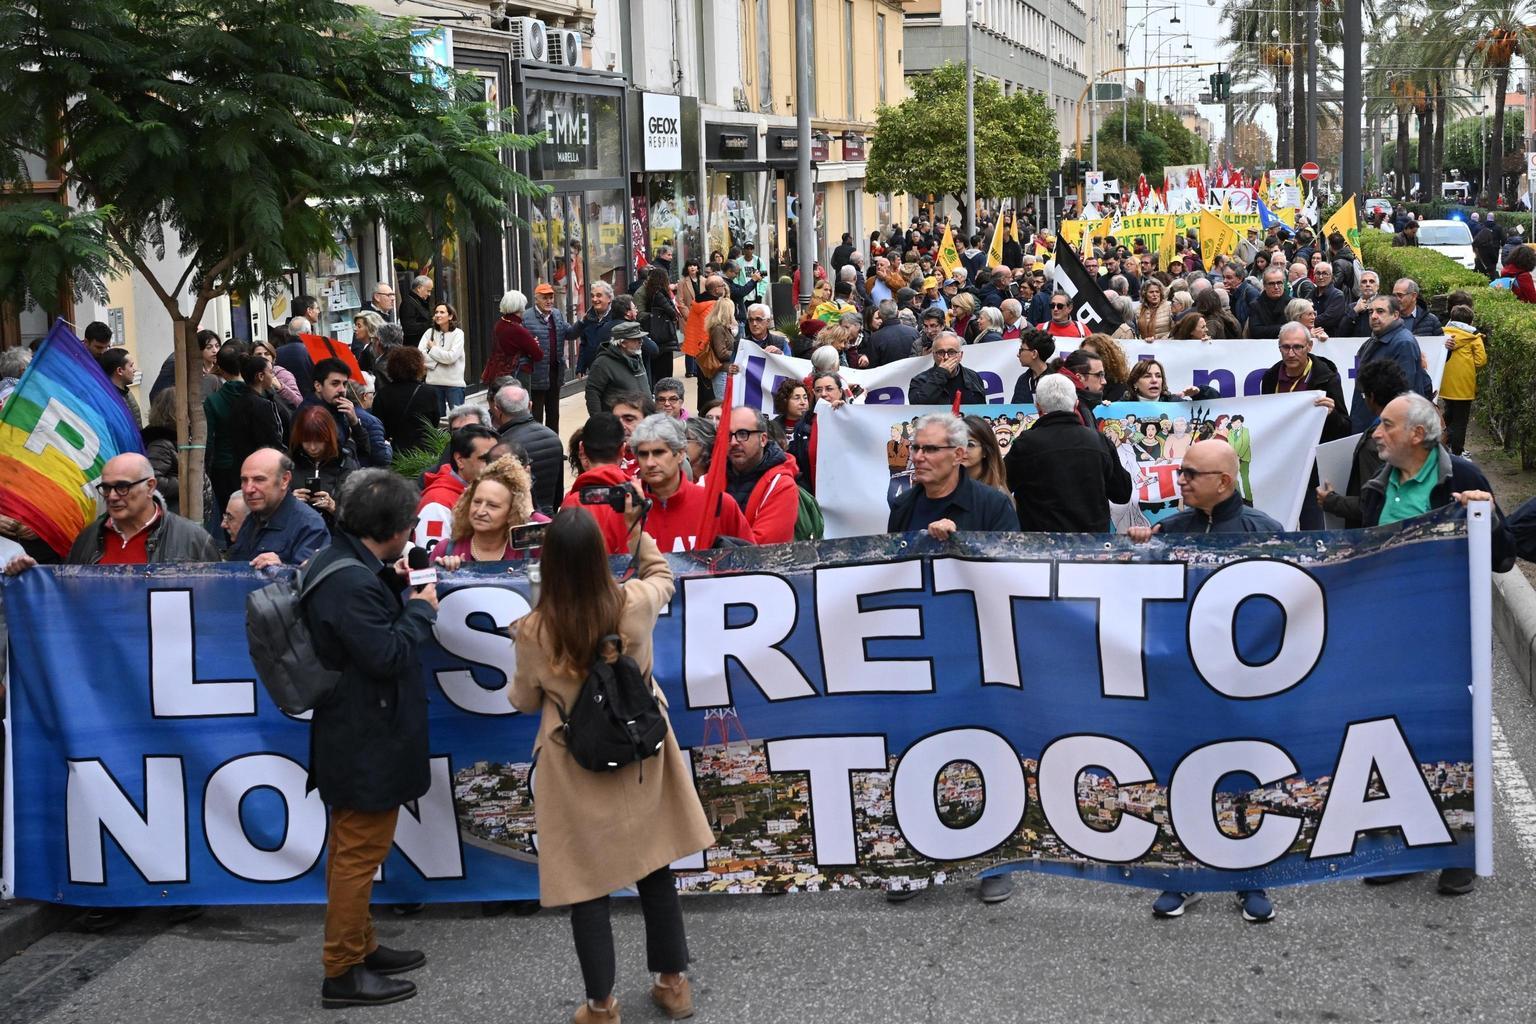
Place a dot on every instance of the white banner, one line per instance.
(1234, 367)
(867, 451)
(1335, 460)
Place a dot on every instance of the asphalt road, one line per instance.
(1058, 951)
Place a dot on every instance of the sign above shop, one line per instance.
(662, 131)
(565, 119)
(853, 146)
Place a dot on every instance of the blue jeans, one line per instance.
(447, 398)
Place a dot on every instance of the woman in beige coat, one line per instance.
(604, 831)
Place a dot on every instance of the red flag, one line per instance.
(714, 480)
(954, 406)
(1199, 186)
(1143, 189)
(320, 347)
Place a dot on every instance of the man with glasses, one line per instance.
(1266, 314)
(947, 380)
(1062, 323)
(761, 477)
(759, 327)
(383, 303)
(595, 327)
(1208, 479)
(1419, 319)
(137, 528)
(1360, 312)
(1300, 370)
(944, 499)
(1063, 473)
(1390, 339)
(1240, 292)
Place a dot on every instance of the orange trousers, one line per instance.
(359, 842)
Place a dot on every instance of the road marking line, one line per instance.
(1515, 794)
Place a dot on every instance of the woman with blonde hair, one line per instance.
(1155, 318)
(720, 328)
(600, 832)
(963, 308)
(500, 499)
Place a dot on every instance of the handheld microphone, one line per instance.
(422, 572)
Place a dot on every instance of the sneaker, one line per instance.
(995, 888)
(1457, 881)
(1173, 904)
(1256, 906)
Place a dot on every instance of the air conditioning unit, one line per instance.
(530, 39)
(565, 47)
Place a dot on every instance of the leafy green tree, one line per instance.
(1164, 141)
(919, 144)
(242, 133)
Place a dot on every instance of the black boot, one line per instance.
(362, 987)
(384, 960)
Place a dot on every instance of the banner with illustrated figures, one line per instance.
(869, 713)
(1234, 367)
(867, 450)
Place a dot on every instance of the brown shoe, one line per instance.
(676, 1001)
(586, 1015)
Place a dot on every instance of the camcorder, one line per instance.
(612, 496)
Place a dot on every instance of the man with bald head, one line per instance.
(1209, 479)
(279, 529)
(137, 528)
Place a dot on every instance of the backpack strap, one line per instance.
(308, 582)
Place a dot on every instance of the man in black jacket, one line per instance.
(1063, 474)
(368, 749)
(1266, 314)
(939, 384)
(945, 500)
(894, 340)
(512, 417)
(1330, 304)
(1300, 370)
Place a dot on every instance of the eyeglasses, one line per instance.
(932, 449)
(945, 353)
(1058, 305)
(1293, 348)
(1097, 373)
(1274, 284)
(1401, 295)
(107, 487)
(669, 399)
(742, 436)
(384, 291)
(1186, 472)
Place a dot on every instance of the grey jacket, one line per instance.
(171, 539)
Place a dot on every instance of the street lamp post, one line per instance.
(970, 127)
(1142, 24)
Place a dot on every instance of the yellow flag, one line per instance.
(1013, 229)
(1169, 244)
(949, 256)
(1216, 237)
(1288, 215)
(1346, 221)
(1072, 231)
(1103, 229)
(995, 250)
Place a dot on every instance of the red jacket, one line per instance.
(773, 504)
(1070, 329)
(672, 522)
(1524, 288)
(615, 533)
(434, 512)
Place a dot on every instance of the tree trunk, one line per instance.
(191, 428)
(1299, 109)
(1441, 102)
(1403, 168)
(1426, 116)
(1496, 144)
(1282, 117)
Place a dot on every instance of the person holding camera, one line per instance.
(368, 738)
(320, 464)
(279, 528)
(601, 831)
(487, 516)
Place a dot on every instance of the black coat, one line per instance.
(891, 342)
(1266, 316)
(1229, 516)
(415, 317)
(935, 387)
(1063, 476)
(407, 408)
(1453, 475)
(970, 506)
(1335, 313)
(546, 459)
(368, 741)
(256, 420)
(1324, 377)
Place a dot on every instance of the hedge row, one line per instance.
(1506, 387)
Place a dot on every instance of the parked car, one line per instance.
(1384, 205)
(1451, 237)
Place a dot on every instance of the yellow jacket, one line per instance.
(1459, 381)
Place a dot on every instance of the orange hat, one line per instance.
(544, 289)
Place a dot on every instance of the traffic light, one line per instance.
(1221, 86)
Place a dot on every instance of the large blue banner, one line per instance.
(1199, 713)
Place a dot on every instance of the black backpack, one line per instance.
(280, 644)
(616, 719)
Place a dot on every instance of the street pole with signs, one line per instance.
(970, 128)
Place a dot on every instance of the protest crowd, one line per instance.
(302, 435)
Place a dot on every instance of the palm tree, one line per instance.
(1501, 32)
(1272, 40)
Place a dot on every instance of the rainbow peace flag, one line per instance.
(57, 430)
